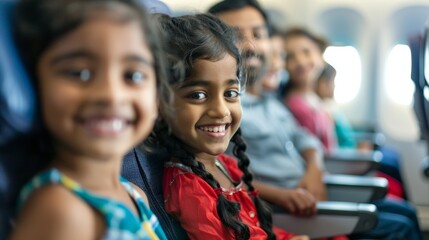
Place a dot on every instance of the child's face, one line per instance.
(98, 89)
(271, 80)
(304, 61)
(207, 105)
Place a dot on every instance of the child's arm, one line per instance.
(53, 213)
(313, 177)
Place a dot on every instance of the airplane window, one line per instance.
(426, 93)
(346, 61)
(399, 85)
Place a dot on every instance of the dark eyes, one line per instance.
(199, 95)
(85, 75)
(232, 94)
(82, 75)
(135, 77)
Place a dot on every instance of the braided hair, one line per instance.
(204, 36)
(262, 208)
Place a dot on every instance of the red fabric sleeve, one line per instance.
(193, 202)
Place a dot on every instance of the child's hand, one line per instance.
(301, 237)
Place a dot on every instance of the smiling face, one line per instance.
(97, 89)
(304, 59)
(207, 105)
(254, 41)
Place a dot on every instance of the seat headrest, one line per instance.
(156, 6)
(17, 98)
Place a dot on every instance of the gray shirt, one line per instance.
(274, 141)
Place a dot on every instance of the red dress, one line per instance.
(193, 202)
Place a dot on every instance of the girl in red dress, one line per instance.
(206, 191)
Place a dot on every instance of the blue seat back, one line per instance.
(17, 101)
(146, 173)
(17, 117)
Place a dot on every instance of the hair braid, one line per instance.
(262, 208)
(227, 210)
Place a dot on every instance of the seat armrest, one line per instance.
(355, 188)
(332, 219)
(352, 162)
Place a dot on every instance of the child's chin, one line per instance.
(218, 151)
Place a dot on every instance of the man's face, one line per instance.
(253, 40)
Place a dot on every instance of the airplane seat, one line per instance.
(332, 219)
(146, 172)
(17, 121)
(352, 162)
(419, 45)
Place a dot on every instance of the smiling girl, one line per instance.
(98, 82)
(204, 189)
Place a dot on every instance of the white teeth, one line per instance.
(219, 129)
(117, 125)
(114, 125)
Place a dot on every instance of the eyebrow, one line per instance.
(88, 55)
(260, 27)
(204, 83)
(139, 59)
(71, 55)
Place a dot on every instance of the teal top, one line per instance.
(344, 132)
(121, 222)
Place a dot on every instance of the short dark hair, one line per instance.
(230, 5)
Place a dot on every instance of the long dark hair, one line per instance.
(38, 24)
(204, 36)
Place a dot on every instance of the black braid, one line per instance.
(262, 208)
(227, 210)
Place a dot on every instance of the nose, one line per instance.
(218, 108)
(300, 59)
(108, 88)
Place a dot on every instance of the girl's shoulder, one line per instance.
(179, 175)
(53, 207)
